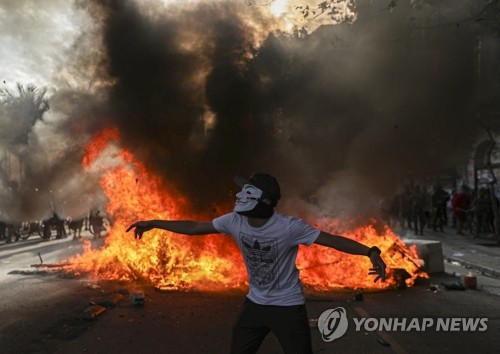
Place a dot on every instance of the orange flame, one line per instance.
(98, 144)
(323, 268)
(212, 262)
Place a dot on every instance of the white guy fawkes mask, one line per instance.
(248, 198)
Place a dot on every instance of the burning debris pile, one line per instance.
(212, 262)
(324, 269)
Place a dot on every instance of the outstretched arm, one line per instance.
(350, 246)
(185, 227)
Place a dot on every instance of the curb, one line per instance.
(483, 270)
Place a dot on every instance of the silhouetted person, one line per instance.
(3, 230)
(439, 200)
(418, 204)
(58, 223)
(76, 226)
(96, 224)
(460, 204)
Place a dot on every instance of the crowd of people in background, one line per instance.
(417, 208)
(95, 222)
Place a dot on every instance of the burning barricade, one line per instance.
(173, 262)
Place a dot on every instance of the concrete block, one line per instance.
(137, 297)
(431, 253)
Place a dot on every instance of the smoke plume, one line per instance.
(206, 90)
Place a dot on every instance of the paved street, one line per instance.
(42, 313)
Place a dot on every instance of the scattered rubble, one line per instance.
(92, 312)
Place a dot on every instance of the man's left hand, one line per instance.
(378, 268)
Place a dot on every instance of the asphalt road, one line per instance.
(49, 313)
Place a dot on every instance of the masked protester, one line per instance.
(269, 242)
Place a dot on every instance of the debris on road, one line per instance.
(383, 342)
(454, 286)
(470, 281)
(110, 303)
(92, 286)
(358, 296)
(92, 312)
(137, 298)
(434, 288)
(50, 265)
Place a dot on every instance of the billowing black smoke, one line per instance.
(340, 116)
(372, 102)
(159, 100)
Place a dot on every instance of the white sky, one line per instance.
(34, 35)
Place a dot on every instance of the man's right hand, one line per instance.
(140, 228)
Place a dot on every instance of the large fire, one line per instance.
(211, 262)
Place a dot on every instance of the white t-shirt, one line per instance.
(269, 253)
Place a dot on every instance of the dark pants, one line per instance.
(289, 324)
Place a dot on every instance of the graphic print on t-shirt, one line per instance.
(260, 257)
